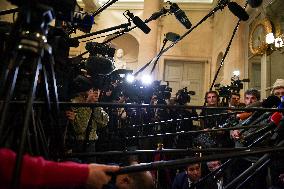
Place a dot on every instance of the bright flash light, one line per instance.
(130, 78)
(269, 38)
(146, 79)
(236, 73)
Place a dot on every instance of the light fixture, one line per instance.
(269, 38)
(146, 79)
(236, 73)
(130, 78)
(275, 43)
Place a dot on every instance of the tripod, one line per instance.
(29, 52)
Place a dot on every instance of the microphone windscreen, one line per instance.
(141, 25)
(238, 11)
(172, 36)
(276, 117)
(99, 65)
(254, 3)
(180, 15)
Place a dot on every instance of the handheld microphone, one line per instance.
(254, 3)
(271, 101)
(138, 22)
(180, 15)
(83, 21)
(238, 11)
(274, 122)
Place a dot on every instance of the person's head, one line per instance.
(194, 172)
(251, 96)
(93, 95)
(138, 180)
(119, 53)
(235, 99)
(278, 88)
(211, 98)
(213, 165)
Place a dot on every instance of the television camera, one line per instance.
(183, 96)
(226, 91)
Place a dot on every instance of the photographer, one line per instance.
(85, 121)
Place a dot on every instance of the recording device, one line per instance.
(138, 22)
(95, 48)
(83, 21)
(100, 60)
(163, 92)
(157, 15)
(269, 102)
(170, 36)
(238, 11)
(183, 96)
(236, 86)
(180, 15)
(274, 122)
(63, 9)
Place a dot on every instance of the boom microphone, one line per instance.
(238, 11)
(138, 22)
(83, 21)
(180, 15)
(172, 36)
(99, 65)
(254, 3)
(157, 15)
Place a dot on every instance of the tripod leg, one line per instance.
(11, 81)
(29, 102)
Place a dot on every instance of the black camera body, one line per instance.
(63, 9)
(235, 87)
(183, 96)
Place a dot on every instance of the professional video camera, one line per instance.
(63, 9)
(235, 87)
(183, 96)
(163, 92)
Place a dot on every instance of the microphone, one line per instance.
(277, 130)
(238, 11)
(274, 122)
(172, 36)
(83, 21)
(96, 65)
(157, 15)
(138, 22)
(254, 3)
(180, 15)
(271, 101)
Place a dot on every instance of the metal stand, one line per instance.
(31, 48)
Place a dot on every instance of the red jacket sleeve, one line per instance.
(37, 172)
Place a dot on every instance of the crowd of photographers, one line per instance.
(121, 122)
